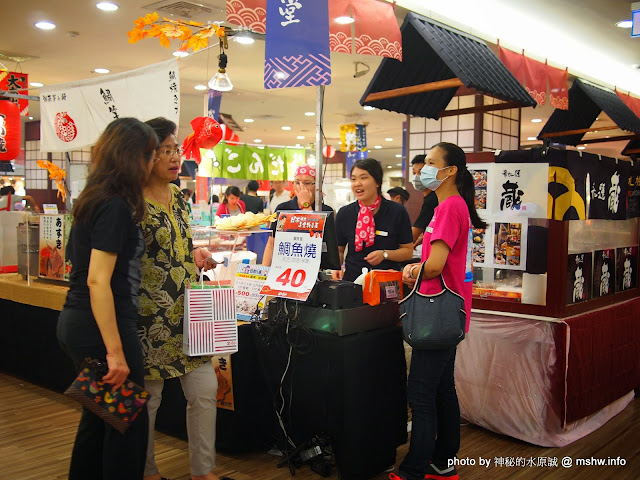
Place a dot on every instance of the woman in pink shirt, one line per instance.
(231, 205)
(446, 249)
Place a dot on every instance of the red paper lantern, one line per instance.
(234, 140)
(9, 130)
(328, 151)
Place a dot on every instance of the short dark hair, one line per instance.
(186, 191)
(418, 159)
(163, 127)
(373, 168)
(215, 199)
(253, 186)
(399, 191)
(7, 190)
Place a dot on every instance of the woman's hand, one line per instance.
(118, 370)
(406, 274)
(304, 194)
(337, 275)
(203, 259)
(374, 258)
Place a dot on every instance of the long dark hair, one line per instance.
(454, 155)
(373, 167)
(232, 190)
(118, 167)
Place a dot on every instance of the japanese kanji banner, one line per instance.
(626, 268)
(519, 189)
(604, 272)
(633, 191)
(250, 163)
(579, 277)
(297, 44)
(18, 82)
(608, 187)
(73, 115)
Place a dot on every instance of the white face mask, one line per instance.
(428, 176)
(417, 184)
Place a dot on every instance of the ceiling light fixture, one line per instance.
(220, 81)
(389, 166)
(107, 6)
(248, 120)
(45, 25)
(286, 127)
(536, 120)
(532, 139)
(257, 140)
(36, 84)
(101, 70)
(398, 164)
(398, 156)
(300, 137)
(200, 87)
(309, 114)
(378, 147)
(624, 23)
(388, 139)
(344, 20)
(180, 54)
(244, 38)
(30, 118)
(369, 107)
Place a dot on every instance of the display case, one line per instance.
(562, 234)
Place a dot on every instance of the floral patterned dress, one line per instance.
(167, 266)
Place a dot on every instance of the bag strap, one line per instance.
(419, 281)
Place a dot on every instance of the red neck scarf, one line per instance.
(365, 226)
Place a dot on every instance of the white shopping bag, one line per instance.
(210, 325)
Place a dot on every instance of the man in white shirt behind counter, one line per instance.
(280, 195)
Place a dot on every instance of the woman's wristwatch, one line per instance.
(385, 254)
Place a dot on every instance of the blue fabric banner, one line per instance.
(214, 99)
(297, 44)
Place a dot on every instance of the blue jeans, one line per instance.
(100, 452)
(435, 430)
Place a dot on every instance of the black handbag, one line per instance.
(432, 322)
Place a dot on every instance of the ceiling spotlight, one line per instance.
(344, 20)
(257, 140)
(398, 156)
(536, 120)
(378, 147)
(180, 54)
(300, 137)
(581, 147)
(45, 25)
(221, 81)
(398, 164)
(248, 120)
(36, 84)
(369, 107)
(107, 6)
(30, 118)
(101, 70)
(388, 139)
(309, 114)
(244, 38)
(200, 87)
(286, 127)
(532, 139)
(389, 166)
(624, 23)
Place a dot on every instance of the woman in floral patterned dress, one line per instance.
(169, 262)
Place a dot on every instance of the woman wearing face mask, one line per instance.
(435, 434)
(429, 202)
(377, 230)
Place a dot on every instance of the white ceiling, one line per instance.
(86, 38)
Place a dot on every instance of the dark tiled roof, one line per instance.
(586, 101)
(433, 52)
(632, 145)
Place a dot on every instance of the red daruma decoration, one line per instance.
(65, 127)
(9, 130)
(328, 151)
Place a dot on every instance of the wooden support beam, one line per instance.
(404, 91)
(582, 130)
(481, 108)
(632, 151)
(611, 139)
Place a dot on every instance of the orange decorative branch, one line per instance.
(57, 174)
(165, 30)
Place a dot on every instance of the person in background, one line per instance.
(251, 200)
(99, 316)
(435, 432)
(280, 195)
(304, 183)
(429, 202)
(398, 195)
(377, 230)
(8, 199)
(187, 194)
(231, 205)
(168, 265)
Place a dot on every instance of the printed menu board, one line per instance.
(54, 235)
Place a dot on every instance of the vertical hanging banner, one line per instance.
(18, 82)
(214, 100)
(297, 44)
(74, 114)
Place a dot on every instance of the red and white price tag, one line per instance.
(296, 255)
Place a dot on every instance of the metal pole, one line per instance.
(319, 102)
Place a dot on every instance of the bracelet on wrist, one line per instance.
(411, 272)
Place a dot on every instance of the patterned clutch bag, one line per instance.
(118, 408)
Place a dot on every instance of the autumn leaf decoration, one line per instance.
(192, 35)
(57, 174)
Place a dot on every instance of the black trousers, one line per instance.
(100, 452)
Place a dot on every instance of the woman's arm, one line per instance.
(101, 266)
(402, 253)
(268, 252)
(338, 274)
(433, 266)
